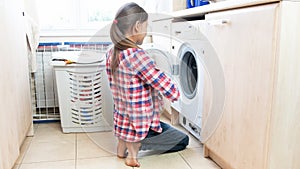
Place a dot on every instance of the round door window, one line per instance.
(188, 74)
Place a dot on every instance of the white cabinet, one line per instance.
(258, 128)
(160, 31)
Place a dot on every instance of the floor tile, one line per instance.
(23, 150)
(167, 161)
(70, 164)
(105, 140)
(194, 142)
(88, 148)
(16, 166)
(63, 149)
(48, 124)
(102, 163)
(35, 126)
(51, 132)
(194, 157)
(50, 148)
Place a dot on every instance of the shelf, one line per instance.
(219, 6)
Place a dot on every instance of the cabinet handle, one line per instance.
(219, 22)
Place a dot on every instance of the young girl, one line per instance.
(136, 84)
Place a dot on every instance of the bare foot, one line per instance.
(121, 149)
(132, 162)
(133, 149)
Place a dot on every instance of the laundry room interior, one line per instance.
(235, 64)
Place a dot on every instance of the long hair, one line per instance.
(125, 20)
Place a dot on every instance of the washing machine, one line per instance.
(188, 57)
(182, 62)
(190, 46)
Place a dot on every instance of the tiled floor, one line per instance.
(51, 149)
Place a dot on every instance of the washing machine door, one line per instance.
(191, 84)
(168, 63)
(188, 71)
(164, 60)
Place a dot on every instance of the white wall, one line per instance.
(158, 6)
(164, 6)
(15, 107)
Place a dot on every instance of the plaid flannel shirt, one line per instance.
(136, 87)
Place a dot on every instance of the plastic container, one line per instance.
(194, 3)
(190, 3)
(85, 101)
(201, 2)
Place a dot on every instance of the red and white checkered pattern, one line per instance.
(136, 88)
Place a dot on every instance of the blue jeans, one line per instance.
(169, 140)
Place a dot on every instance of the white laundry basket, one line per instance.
(85, 101)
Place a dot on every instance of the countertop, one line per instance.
(218, 6)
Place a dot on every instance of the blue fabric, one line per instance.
(169, 140)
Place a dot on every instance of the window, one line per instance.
(60, 15)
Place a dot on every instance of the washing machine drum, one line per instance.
(188, 71)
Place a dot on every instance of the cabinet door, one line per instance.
(244, 40)
(285, 127)
(160, 31)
